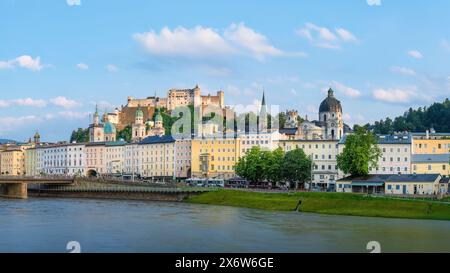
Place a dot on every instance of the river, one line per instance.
(47, 225)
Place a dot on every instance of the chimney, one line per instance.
(427, 135)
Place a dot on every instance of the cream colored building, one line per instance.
(267, 141)
(95, 158)
(396, 155)
(157, 157)
(420, 184)
(131, 159)
(115, 152)
(323, 154)
(30, 162)
(183, 156)
(397, 184)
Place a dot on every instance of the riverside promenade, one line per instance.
(115, 189)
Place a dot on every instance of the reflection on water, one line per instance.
(46, 225)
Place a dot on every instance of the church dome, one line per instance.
(158, 117)
(110, 128)
(139, 113)
(330, 104)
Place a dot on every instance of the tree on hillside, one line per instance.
(125, 134)
(437, 116)
(361, 152)
(297, 167)
(81, 135)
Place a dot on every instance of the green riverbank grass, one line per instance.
(327, 203)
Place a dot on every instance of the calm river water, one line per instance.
(47, 225)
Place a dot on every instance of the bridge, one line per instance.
(17, 186)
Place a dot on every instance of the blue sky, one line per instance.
(58, 58)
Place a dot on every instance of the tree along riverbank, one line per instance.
(327, 203)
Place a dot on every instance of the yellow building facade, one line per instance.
(430, 143)
(214, 157)
(431, 164)
(12, 161)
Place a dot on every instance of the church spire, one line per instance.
(262, 124)
(263, 103)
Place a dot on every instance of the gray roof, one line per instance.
(413, 178)
(288, 131)
(368, 178)
(116, 143)
(430, 134)
(157, 139)
(394, 139)
(430, 158)
(387, 139)
(393, 178)
(445, 180)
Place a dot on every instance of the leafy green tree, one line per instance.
(297, 167)
(274, 169)
(125, 134)
(361, 152)
(251, 166)
(80, 135)
(437, 116)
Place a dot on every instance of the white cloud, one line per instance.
(73, 115)
(325, 38)
(112, 68)
(397, 95)
(207, 42)
(415, 54)
(64, 102)
(82, 66)
(30, 102)
(13, 123)
(293, 92)
(253, 42)
(6, 65)
(184, 42)
(4, 103)
(347, 90)
(346, 35)
(403, 71)
(23, 61)
(374, 2)
(73, 2)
